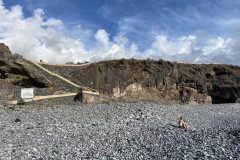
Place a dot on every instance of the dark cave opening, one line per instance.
(79, 96)
(30, 82)
(3, 74)
(218, 100)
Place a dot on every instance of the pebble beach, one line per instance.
(119, 131)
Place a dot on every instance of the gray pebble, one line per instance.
(120, 131)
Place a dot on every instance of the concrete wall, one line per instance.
(69, 100)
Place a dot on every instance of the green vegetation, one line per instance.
(70, 62)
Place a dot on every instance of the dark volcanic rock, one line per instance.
(15, 73)
(124, 80)
(161, 81)
(14, 69)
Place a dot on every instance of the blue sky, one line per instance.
(88, 30)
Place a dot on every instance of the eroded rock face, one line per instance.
(161, 81)
(130, 80)
(15, 70)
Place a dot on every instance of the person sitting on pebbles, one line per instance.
(183, 124)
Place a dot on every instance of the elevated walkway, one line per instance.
(85, 89)
(43, 97)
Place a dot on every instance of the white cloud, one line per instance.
(35, 37)
(173, 50)
(106, 49)
(39, 37)
(187, 49)
(217, 45)
(102, 37)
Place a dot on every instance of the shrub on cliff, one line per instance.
(70, 62)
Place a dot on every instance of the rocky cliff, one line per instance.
(14, 69)
(161, 81)
(16, 73)
(122, 80)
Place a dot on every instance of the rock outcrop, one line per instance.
(161, 81)
(123, 80)
(15, 70)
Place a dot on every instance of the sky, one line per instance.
(60, 31)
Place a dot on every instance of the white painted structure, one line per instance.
(27, 93)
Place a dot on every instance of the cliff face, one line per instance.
(161, 81)
(14, 70)
(124, 80)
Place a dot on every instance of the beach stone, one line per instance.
(106, 131)
(17, 120)
(30, 127)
